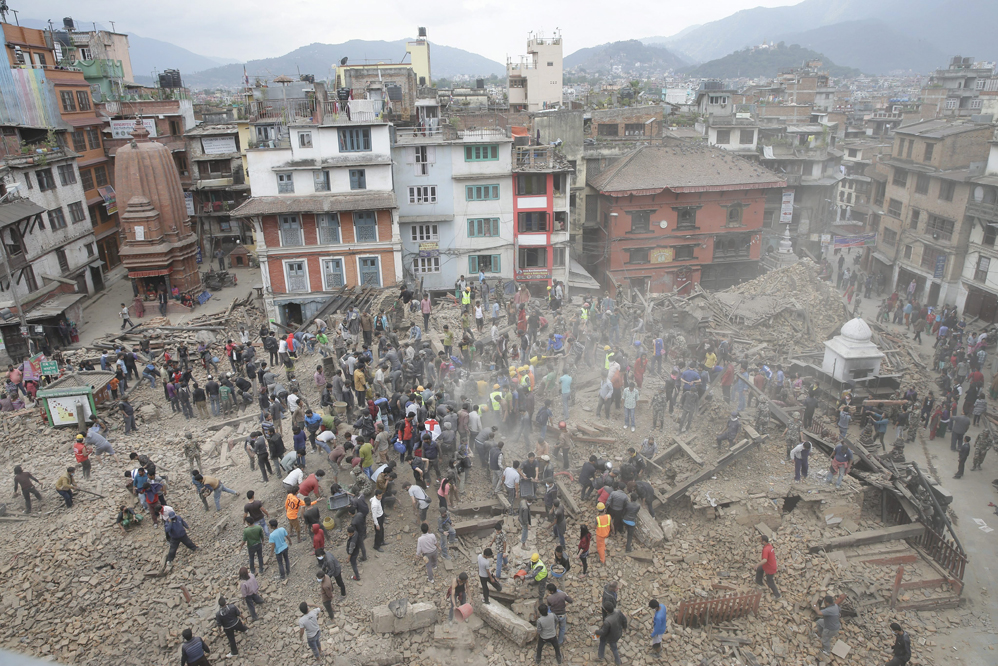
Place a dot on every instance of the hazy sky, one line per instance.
(248, 29)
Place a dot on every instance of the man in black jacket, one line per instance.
(259, 445)
(228, 619)
(271, 345)
(611, 631)
(211, 389)
(902, 646)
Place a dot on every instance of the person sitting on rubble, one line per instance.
(127, 518)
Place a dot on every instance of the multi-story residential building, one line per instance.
(27, 47)
(218, 186)
(541, 209)
(852, 197)
(806, 156)
(954, 92)
(455, 198)
(535, 82)
(323, 211)
(925, 231)
(678, 214)
(980, 267)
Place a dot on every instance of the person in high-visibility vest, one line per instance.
(540, 573)
(602, 531)
(466, 299)
(495, 400)
(606, 360)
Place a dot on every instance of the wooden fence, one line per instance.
(940, 548)
(698, 612)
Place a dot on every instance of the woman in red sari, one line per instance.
(640, 364)
(934, 420)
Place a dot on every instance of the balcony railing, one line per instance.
(987, 211)
(483, 133)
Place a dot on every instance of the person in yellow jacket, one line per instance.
(495, 402)
(539, 574)
(609, 355)
(466, 299)
(603, 528)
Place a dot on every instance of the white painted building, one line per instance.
(535, 82)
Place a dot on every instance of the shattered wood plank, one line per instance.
(232, 422)
(596, 440)
(586, 430)
(566, 496)
(740, 449)
(691, 453)
(895, 533)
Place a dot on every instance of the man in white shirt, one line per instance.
(511, 480)
(799, 455)
(378, 516)
(293, 480)
(293, 401)
(420, 501)
(282, 350)
(474, 422)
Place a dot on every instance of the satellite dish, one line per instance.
(343, 61)
(978, 194)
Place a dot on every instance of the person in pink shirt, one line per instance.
(15, 376)
(427, 307)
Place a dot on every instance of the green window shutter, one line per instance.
(495, 263)
(472, 264)
(469, 193)
(495, 152)
(468, 154)
(471, 228)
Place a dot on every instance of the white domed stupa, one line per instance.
(851, 354)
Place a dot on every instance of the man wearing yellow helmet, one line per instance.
(82, 453)
(539, 573)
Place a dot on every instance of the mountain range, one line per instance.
(764, 62)
(628, 58)
(318, 59)
(876, 37)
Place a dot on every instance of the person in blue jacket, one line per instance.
(658, 625)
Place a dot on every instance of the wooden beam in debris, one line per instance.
(895, 533)
(739, 450)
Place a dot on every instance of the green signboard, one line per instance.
(50, 368)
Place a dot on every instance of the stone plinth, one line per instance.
(417, 616)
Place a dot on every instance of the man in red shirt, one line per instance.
(311, 484)
(767, 566)
(82, 452)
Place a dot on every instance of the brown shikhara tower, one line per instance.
(159, 248)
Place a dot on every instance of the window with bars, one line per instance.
(76, 212)
(684, 252)
(481, 192)
(365, 226)
(370, 273)
(426, 265)
(291, 232)
(922, 184)
(57, 219)
(929, 257)
(894, 208)
(320, 180)
(45, 179)
(686, 218)
(981, 270)
(79, 141)
(946, 190)
(83, 100)
(533, 257)
(424, 233)
(332, 274)
(723, 137)
(484, 263)
(358, 179)
(304, 139)
(329, 229)
(608, 129)
(93, 138)
(640, 221)
(285, 183)
(890, 237)
(296, 277)
(533, 183)
(481, 153)
(423, 194)
(940, 226)
(746, 136)
(532, 221)
(86, 179)
(100, 175)
(487, 227)
(354, 140)
(637, 255)
(634, 129)
(68, 101)
(67, 174)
